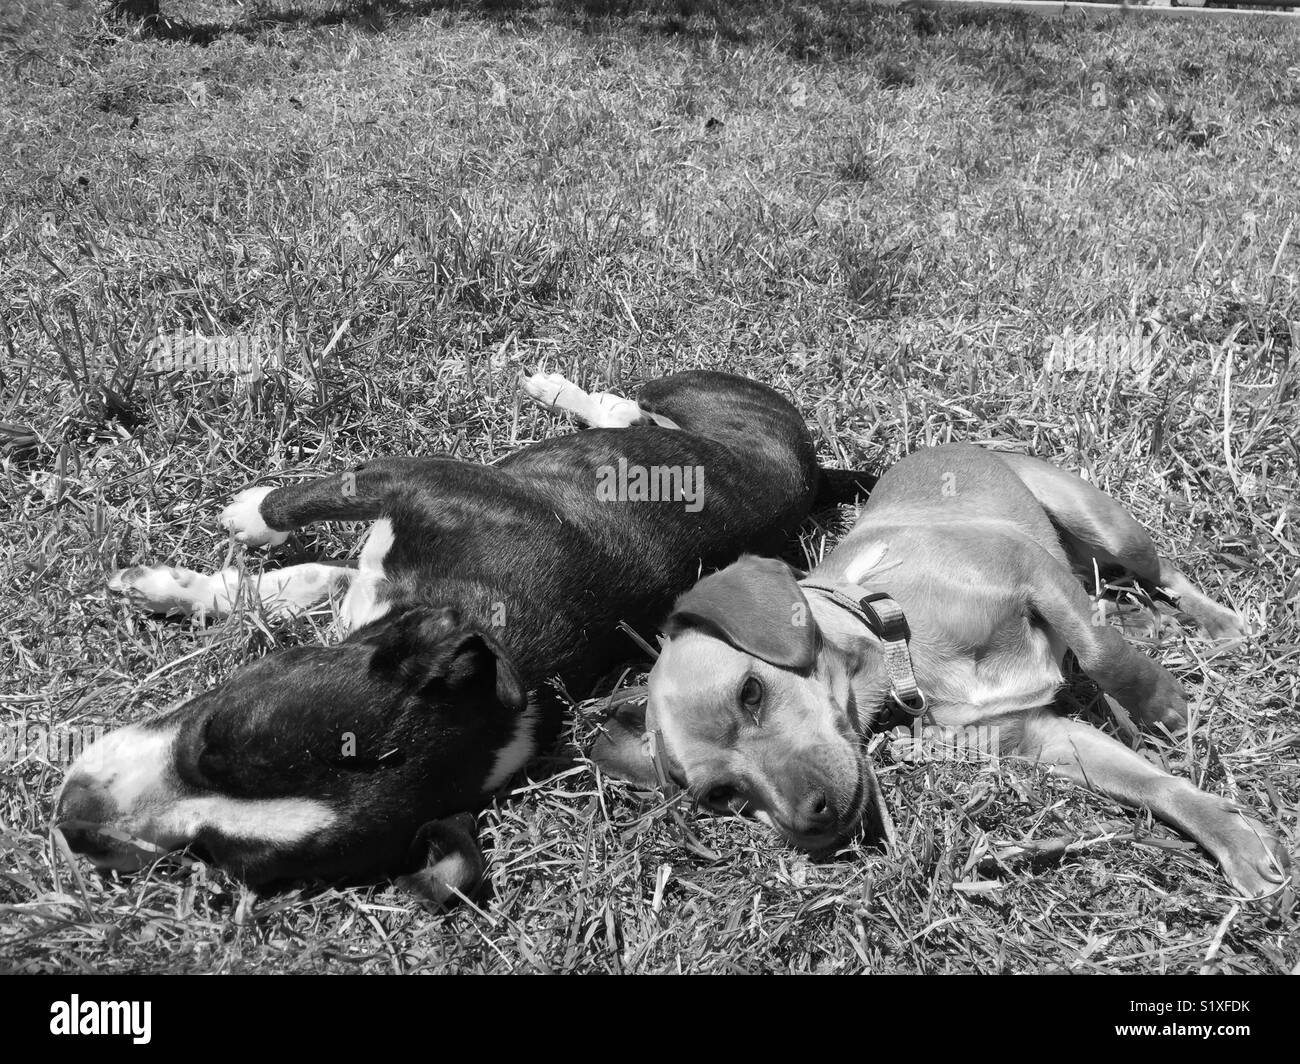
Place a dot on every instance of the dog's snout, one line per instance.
(80, 811)
(814, 813)
(81, 837)
(81, 802)
(724, 794)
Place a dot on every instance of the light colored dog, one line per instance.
(953, 601)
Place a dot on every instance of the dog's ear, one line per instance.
(400, 638)
(474, 658)
(431, 649)
(623, 750)
(757, 606)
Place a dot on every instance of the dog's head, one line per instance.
(749, 715)
(311, 763)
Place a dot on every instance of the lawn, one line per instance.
(1080, 238)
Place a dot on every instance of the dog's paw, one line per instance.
(1253, 858)
(1215, 621)
(1164, 705)
(164, 589)
(545, 388)
(610, 411)
(1220, 623)
(242, 518)
(449, 863)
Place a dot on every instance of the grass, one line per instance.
(889, 220)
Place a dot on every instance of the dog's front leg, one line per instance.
(1252, 857)
(281, 593)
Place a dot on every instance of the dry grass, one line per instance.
(889, 224)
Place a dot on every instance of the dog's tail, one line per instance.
(836, 487)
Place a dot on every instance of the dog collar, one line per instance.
(884, 619)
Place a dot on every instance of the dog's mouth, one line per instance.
(815, 844)
(848, 824)
(818, 845)
(108, 848)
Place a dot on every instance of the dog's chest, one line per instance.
(1015, 674)
(976, 650)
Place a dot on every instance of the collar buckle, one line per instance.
(883, 618)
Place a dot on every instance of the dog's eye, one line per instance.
(751, 693)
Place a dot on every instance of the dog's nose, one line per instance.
(814, 813)
(81, 837)
(81, 809)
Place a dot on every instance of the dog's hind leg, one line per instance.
(597, 410)
(1252, 858)
(286, 592)
(1094, 527)
(264, 516)
(1140, 685)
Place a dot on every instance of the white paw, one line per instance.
(612, 411)
(163, 589)
(243, 519)
(546, 387)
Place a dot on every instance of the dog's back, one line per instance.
(582, 532)
(955, 482)
(759, 463)
(949, 512)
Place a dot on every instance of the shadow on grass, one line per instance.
(811, 29)
(152, 23)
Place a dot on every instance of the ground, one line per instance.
(1079, 238)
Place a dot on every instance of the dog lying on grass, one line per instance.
(952, 600)
(476, 587)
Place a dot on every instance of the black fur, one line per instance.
(501, 578)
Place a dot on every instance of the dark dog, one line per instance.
(476, 587)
